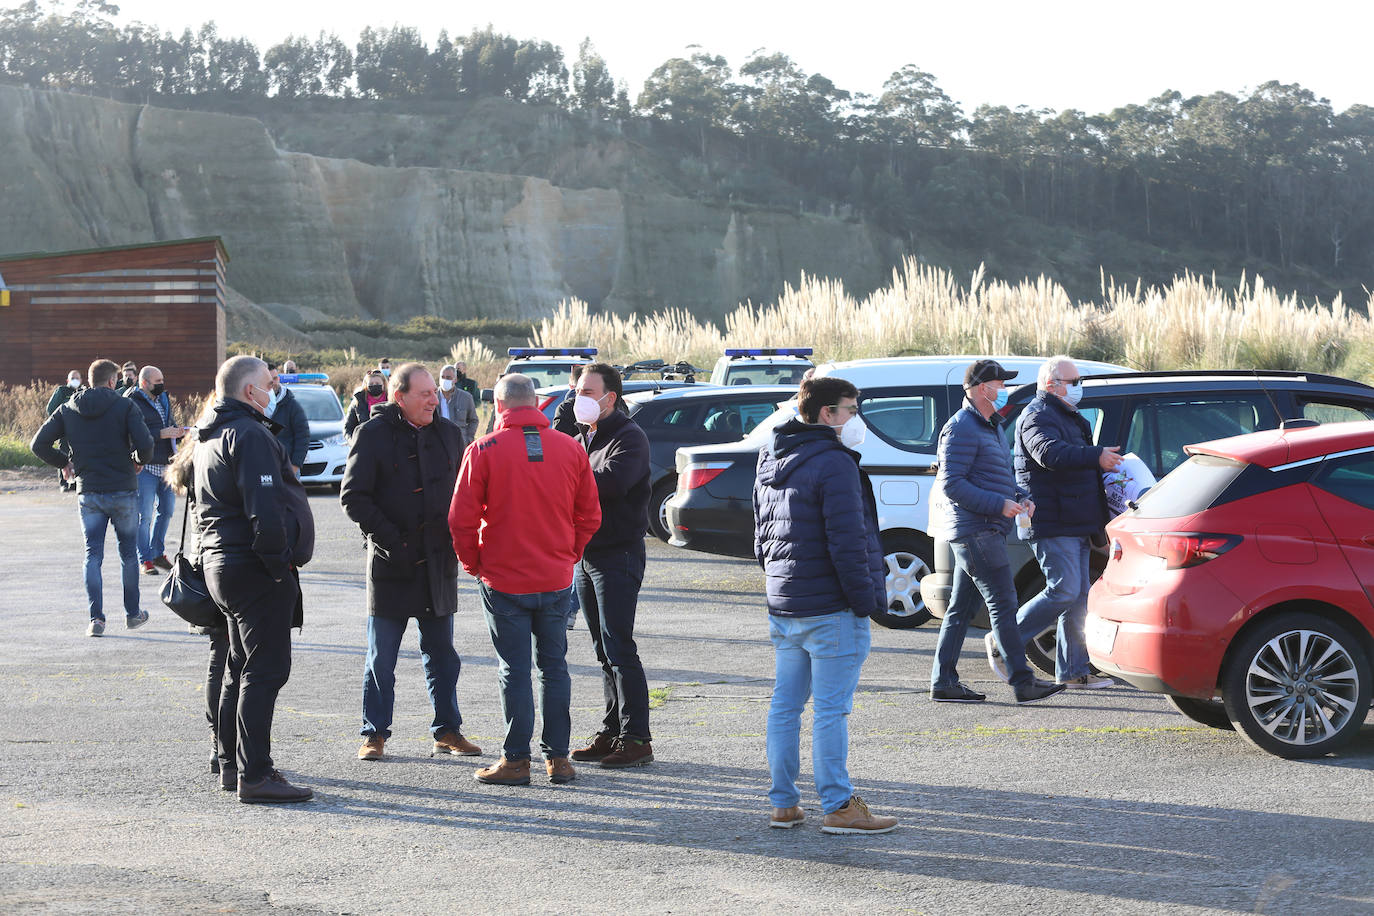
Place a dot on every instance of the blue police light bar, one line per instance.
(295, 378)
(526, 352)
(770, 351)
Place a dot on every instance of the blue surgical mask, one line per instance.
(1000, 400)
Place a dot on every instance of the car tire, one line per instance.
(1273, 698)
(906, 558)
(1206, 712)
(658, 512)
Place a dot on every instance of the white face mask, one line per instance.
(272, 403)
(587, 410)
(74, 382)
(853, 432)
(446, 384)
(1073, 394)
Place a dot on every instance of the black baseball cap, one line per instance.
(986, 370)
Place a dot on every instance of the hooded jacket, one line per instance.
(816, 526)
(396, 487)
(249, 506)
(525, 506)
(105, 434)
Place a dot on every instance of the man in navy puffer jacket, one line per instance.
(981, 498)
(816, 537)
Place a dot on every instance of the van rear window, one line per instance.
(1191, 487)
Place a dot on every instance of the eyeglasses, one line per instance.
(1070, 381)
(852, 408)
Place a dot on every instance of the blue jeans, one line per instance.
(817, 657)
(99, 510)
(980, 567)
(1064, 561)
(441, 664)
(513, 621)
(152, 531)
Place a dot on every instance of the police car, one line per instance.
(324, 462)
(547, 366)
(762, 366)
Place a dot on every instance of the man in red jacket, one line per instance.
(524, 508)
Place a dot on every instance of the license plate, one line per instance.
(1100, 635)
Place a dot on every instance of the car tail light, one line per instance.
(699, 475)
(1182, 549)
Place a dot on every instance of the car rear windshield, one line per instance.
(1190, 488)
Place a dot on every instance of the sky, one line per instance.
(1093, 56)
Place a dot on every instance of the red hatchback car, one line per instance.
(1247, 574)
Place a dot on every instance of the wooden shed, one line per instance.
(160, 304)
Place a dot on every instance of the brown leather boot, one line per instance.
(628, 753)
(454, 743)
(505, 773)
(601, 745)
(560, 770)
(372, 748)
(786, 818)
(855, 817)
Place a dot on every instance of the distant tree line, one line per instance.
(1275, 175)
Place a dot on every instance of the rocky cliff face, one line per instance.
(348, 238)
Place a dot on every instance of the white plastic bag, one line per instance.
(1130, 479)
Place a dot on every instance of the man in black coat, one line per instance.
(60, 395)
(254, 528)
(397, 487)
(612, 567)
(288, 413)
(105, 436)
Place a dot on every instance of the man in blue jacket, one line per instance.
(977, 496)
(1060, 467)
(156, 501)
(287, 412)
(816, 537)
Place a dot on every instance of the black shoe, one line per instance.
(229, 778)
(1036, 691)
(956, 694)
(272, 789)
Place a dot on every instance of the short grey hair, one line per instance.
(443, 369)
(147, 372)
(514, 390)
(1048, 368)
(234, 373)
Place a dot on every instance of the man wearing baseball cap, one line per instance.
(977, 499)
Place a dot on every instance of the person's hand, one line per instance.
(69, 471)
(295, 469)
(1010, 508)
(1110, 459)
(1028, 507)
(173, 432)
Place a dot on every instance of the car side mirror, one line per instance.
(487, 396)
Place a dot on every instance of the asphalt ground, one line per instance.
(1096, 802)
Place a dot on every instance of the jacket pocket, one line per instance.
(398, 562)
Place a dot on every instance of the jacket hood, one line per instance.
(230, 409)
(794, 443)
(521, 416)
(94, 402)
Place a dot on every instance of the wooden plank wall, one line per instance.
(160, 304)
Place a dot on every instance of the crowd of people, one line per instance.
(548, 518)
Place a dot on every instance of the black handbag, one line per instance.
(184, 590)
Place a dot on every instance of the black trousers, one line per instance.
(608, 587)
(259, 664)
(221, 707)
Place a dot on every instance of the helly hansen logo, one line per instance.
(265, 480)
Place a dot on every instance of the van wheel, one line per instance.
(906, 558)
(1206, 712)
(1297, 686)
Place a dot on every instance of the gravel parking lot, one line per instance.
(1107, 802)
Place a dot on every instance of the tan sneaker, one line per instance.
(560, 770)
(785, 818)
(372, 748)
(505, 773)
(454, 743)
(855, 817)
